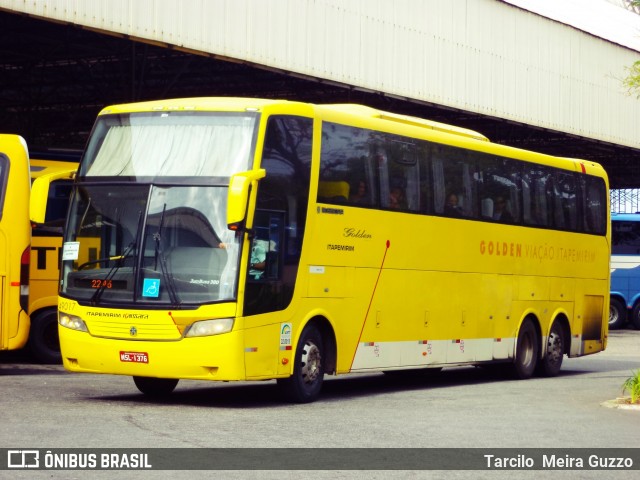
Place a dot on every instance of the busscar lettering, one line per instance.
(201, 281)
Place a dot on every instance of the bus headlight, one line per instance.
(72, 322)
(205, 328)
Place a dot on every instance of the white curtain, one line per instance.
(175, 150)
(438, 185)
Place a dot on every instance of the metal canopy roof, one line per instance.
(55, 78)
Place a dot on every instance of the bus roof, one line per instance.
(242, 104)
(231, 104)
(365, 111)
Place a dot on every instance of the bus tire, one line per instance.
(155, 387)
(635, 317)
(44, 342)
(527, 350)
(308, 371)
(618, 314)
(550, 364)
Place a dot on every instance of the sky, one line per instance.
(607, 19)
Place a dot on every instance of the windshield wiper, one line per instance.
(95, 298)
(159, 255)
(104, 282)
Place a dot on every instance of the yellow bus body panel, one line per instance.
(15, 231)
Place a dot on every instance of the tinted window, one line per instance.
(374, 169)
(625, 238)
(280, 213)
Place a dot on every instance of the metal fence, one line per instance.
(625, 200)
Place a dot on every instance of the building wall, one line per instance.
(484, 56)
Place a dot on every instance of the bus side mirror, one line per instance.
(40, 194)
(38, 202)
(238, 196)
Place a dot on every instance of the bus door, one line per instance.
(264, 289)
(15, 232)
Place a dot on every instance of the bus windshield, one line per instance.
(147, 223)
(149, 244)
(170, 144)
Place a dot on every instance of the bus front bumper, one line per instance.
(217, 357)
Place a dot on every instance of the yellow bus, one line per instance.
(15, 233)
(34, 321)
(51, 187)
(244, 239)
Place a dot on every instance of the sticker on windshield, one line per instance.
(70, 250)
(151, 287)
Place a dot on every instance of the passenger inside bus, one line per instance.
(360, 195)
(396, 198)
(451, 207)
(500, 210)
(258, 260)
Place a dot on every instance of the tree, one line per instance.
(632, 81)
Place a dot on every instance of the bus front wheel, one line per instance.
(43, 337)
(155, 387)
(527, 349)
(308, 372)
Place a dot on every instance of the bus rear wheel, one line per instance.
(550, 365)
(527, 349)
(617, 314)
(308, 372)
(155, 387)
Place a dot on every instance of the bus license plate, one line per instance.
(134, 357)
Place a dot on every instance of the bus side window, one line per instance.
(594, 209)
(535, 194)
(454, 184)
(565, 212)
(346, 168)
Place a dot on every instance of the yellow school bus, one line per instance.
(15, 232)
(51, 186)
(244, 239)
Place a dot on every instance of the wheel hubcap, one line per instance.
(613, 315)
(311, 363)
(554, 348)
(527, 348)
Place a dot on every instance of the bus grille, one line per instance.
(149, 329)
